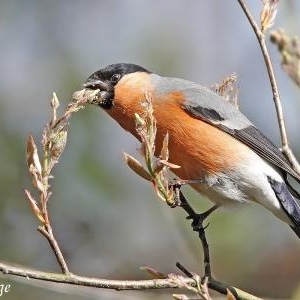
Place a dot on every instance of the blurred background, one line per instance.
(107, 220)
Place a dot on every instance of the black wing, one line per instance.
(248, 135)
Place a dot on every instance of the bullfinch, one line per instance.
(209, 138)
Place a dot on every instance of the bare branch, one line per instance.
(71, 278)
(286, 150)
(48, 234)
(54, 139)
(118, 285)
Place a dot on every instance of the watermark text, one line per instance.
(4, 289)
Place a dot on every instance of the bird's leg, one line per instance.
(180, 200)
(177, 184)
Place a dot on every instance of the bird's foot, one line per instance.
(180, 200)
(176, 186)
(198, 219)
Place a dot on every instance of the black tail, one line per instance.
(288, 203)
(296, 230)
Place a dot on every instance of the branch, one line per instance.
(54, 139)
(192, 215)
(73, 279)
(118, 285)
(259, 32)
(48, 234)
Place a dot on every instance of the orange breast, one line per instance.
(199, 148)
(129, 94)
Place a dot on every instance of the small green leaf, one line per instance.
(164, 153)
(137, 167)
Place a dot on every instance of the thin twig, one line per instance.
(286, 150)
(118, 285)
(201, 233)
(46, 231)
(54, 139)
(71, 278)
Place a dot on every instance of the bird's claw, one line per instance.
(197, 221)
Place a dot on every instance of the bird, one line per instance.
(211, 139)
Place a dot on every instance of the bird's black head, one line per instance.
(107, 78)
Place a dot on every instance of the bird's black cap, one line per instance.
(106, 74)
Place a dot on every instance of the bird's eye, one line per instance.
(115, 78)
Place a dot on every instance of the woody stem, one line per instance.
(197, 223)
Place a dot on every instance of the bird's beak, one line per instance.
(103, 87)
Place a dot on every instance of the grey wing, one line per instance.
(209, 107)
